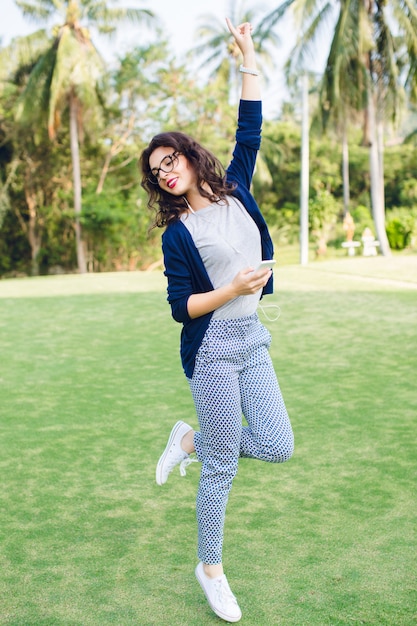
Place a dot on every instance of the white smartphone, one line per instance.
(269, 264)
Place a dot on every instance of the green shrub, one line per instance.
(408, 192)
(401, 227)
(362, 218)
(285, 223)
(323, 213)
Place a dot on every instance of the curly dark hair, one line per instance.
(166, 206)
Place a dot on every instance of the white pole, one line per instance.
(304, 176)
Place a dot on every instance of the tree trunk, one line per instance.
(76, 173)
(377, 177)
(31, 227)
(380, 144)
(345, 172)
(33, 236)
(304, 183)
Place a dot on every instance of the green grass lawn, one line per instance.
(90, 385)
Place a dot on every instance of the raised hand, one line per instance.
(243, 36)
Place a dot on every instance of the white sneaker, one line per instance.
(173, 453)
(219, 595)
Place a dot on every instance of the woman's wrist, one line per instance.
(250, 82)
(249, 61)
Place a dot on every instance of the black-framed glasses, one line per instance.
(166, 165)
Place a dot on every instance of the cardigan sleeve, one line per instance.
(179, 281)
(184, 270)
(248, 141)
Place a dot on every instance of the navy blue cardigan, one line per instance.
(184, 268)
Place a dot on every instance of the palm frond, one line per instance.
(216, 46)
(78, 69)
(106, 19)
(317, 29)
(33, 103)
(273, 17)
(37, 10)
(21, 53)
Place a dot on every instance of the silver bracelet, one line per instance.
(247, 70)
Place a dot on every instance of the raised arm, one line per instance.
(250, 82)
(247, 281)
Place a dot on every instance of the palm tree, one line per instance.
(362, 68)
(219, 50)
(406, 15)
(341, 95)
(67, 75)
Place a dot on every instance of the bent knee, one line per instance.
(281, 450)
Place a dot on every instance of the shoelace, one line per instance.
(223, 591)
(171, 463)
(185, 463)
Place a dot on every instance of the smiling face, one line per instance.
(180, 179)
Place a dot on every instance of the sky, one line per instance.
(180, 19)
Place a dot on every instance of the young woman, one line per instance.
(213, 244)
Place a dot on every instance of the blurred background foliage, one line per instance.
(44, 85)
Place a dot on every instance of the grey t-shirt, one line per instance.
(228, 241)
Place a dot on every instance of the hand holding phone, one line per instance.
(268, 264)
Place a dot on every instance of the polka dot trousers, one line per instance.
(233, 375)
